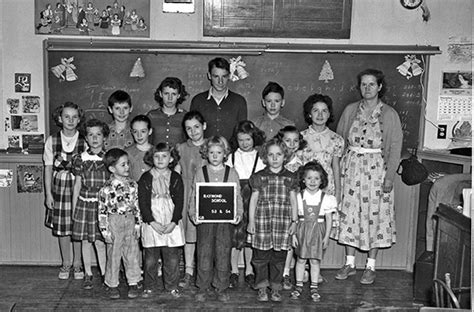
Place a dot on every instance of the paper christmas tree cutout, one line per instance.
(326, 73)
(137, 70)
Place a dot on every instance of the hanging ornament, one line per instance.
(326, 73)
(137, 70)
(237, 70)
(410, 67)
(67, 67)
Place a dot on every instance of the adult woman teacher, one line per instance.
(373, 136)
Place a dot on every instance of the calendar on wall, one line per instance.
(454, 107)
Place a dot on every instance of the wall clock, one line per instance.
(411, 4)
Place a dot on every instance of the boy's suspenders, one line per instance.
(206, 175)
(254, 163)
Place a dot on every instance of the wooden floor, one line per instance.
(25, 288)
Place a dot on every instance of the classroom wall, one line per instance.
(373, 22)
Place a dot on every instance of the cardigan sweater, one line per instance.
(392, 135)
(221, 118)
(145, 188)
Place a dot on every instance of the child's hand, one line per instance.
(195, 220)
(251, 228)
(107, 235)
(325, 242)
(49, 201)
(136, 231)
(295, 241)
(158, 227)
(292, 229)
(169, 228)
(237, 220)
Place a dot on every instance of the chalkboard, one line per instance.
(100, 73)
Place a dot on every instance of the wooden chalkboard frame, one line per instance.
(256, 53)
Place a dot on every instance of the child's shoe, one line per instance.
(234, 280)
(185, 281)
(113, 292)
(175, 293)
(296, 293)
(132, 291)
(250, 280)
(315, 296)
(87, 284)
(64, 272)
(262, 295)
(275, 297)
(287, 282)
(147, 293)
(78, 273)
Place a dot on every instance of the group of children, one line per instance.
(116, 192)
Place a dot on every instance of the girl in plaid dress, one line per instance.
(58, 151)
(272, 218)
(91, 174)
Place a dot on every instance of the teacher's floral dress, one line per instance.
(367, 217)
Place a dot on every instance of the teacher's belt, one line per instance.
(90, 200)
(363, 150)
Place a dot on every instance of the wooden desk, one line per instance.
(453, 251)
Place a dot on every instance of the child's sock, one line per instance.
(370, 264)
(314, 285)
(299, 284)
(350, 260)
(286, 272)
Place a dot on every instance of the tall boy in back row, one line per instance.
(221, 108)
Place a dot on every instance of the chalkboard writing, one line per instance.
(99, 74)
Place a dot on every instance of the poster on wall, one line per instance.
(119, 18)
(22, 82)
(29, 178)
(6, 177)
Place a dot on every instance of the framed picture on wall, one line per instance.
(111, 18)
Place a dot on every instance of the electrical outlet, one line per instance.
(442, 129)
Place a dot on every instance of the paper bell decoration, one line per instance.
(137, 70)
(410, 67)
(237, 70)
(66, 67)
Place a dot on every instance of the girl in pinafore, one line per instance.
(315, 209)
(246, 161)
(190, 161)
(272, 218)
(91, 174)
(58, 183)
(161, 197)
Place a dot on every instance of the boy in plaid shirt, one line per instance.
(119, 223)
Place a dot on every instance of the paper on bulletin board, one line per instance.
(6, 177)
